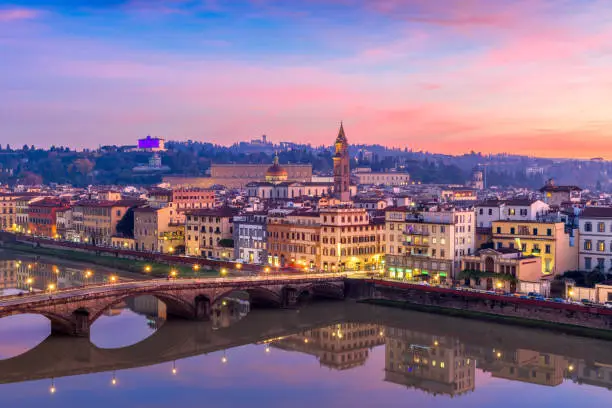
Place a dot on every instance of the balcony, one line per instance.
(416, 233)
(416, 244)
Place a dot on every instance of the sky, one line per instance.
(450, 76)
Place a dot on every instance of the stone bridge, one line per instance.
(73, 311)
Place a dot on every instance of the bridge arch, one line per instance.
(59, 322)
(175, 305)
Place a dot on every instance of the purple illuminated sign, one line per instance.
(148, 143)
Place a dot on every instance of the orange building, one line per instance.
(42, 216)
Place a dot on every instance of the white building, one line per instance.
(487, 212)
(524, 210)
(250, 238)
(595, 247)
(388, 179)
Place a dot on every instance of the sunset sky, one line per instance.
(450, 76)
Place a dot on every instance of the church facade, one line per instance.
(277, 186)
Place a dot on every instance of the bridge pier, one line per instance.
(289, 297)
(203, 308)
(78, 325)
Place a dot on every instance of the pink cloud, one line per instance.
(16, 14)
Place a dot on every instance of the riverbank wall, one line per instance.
(567, 318)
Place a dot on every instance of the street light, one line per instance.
(113, 279)
(52, 388)
(29, 282)
(147, 268)
(223, 271)
(174, 371)
(173, 273)
(51, 287)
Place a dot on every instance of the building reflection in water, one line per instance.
(30, 274)
(339, 347)
(437, 365)
(151, 307)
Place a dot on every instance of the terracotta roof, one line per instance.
(597, 212)
(214, 212)
(555, 189)
(109, 204)
(522, 202)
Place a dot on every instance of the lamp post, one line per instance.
(88, 274)
(29, 282)
(196, 269)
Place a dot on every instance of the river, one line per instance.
(335, 354)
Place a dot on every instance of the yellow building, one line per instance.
(8, 211)
(350, 240)
(155, 231)
(426, 245)
(294, 239)
(209, 232)
(547, 240)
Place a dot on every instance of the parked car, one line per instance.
(608, 305)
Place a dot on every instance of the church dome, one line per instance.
(276, 173)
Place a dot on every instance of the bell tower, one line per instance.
(342, 171)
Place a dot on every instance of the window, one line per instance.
(601, 227)
(588, 227)
(511, 211)
(588, 245)
(547, 249)
(524, 247)
(601, 263)
(513, 230)
(548, 265)
(535, 231)
(601, 246)
(500, 245)
(481, 211)
(499, 230)
(587, 263)
(490, 211)
(549, 232)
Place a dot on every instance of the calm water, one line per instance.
(325, 354)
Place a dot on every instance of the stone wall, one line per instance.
(550, 312)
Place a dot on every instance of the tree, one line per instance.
(125, 226)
